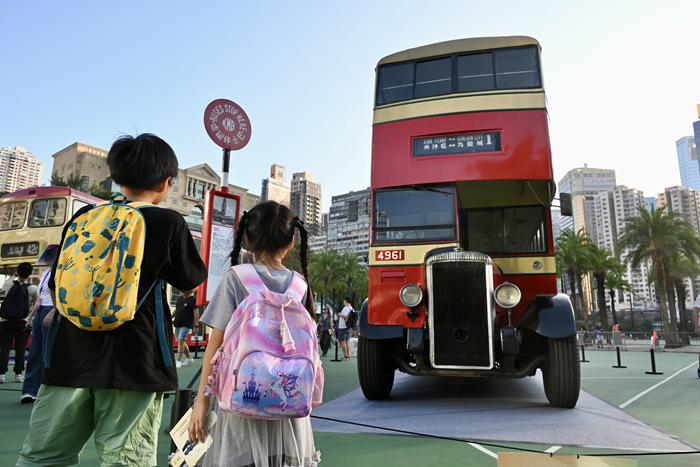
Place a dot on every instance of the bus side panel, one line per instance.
(385, 283)
(524, 154)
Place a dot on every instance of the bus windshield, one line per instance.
(47, 212)
(12, 215)
(419, 214)
(505, 230)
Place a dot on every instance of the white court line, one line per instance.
(484, 450)
(647, 391)
(553, 449)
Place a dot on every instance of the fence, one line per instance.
(636, 340)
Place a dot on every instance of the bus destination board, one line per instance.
(19, 250)
(466, 143)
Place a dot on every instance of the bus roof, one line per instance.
(48, 191)
(458, 46)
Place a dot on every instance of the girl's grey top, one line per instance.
(231, 292)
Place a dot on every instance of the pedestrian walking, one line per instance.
(599, 335)
(186, 319)
(325, 330)
(19, 297)
(110, 384)
(344, 322)
(35, 359)
(268, 231)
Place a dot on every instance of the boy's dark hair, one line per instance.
(143, 162)
(24, 270)
(348, 300)
(269, 227)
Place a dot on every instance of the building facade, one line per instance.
(88, 163)
(306, 202)
(686, 150)
(348, 223)
(583, 184)
(684, 201)
(19, 169)
(275, 187)
(613, 209)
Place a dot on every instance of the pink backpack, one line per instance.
(268, 365)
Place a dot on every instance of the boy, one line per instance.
(343, 326)
(186, 319)
(19, 297)
(110, 384)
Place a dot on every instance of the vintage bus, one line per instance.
(32, 220)
(462, 276)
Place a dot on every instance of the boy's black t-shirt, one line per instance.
(129, 357)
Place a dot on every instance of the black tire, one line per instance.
(562, 373)
(375, 371)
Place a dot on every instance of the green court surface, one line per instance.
(673, 407)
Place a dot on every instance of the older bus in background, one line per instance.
(462, 277)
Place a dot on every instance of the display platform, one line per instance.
(504, 410)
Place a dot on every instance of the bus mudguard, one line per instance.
(370, 331)
(550, 316)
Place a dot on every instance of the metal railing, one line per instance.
(638, 340)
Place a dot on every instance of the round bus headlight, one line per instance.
(411, 295)
(507, 295)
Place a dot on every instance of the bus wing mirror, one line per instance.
(565, 204)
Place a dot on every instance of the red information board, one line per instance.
(221, 211)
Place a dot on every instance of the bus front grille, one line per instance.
(460, 319)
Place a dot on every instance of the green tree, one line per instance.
(657, 236)
(73, 181)
(325, 271)
(99, 191)
(599, 261)
(572, 253)
(615, 280)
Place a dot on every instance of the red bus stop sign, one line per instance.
(227, 124)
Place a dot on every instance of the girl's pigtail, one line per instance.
(303, 253)
(236, 253)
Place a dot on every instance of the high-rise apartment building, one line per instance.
(88, 163)
(612, 210)
(19, 169)
(275, 188)
(306, 202)
(686, 150)
(583, 184)
(348, 223)
(696, 129)
(684, 201)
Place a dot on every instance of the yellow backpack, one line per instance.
(99, 265)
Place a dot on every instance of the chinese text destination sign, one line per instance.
(466, 143)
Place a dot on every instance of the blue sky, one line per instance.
(622, 78)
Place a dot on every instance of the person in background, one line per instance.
(343, 327)
(186, 319)
(35, 359)
(19, 295)
(325, 328)
(598, 333)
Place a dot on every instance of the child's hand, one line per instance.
(198, 420)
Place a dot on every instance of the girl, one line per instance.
(268, 231)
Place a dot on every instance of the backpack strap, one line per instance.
(298, 287)
(160, 323)
(250, 278)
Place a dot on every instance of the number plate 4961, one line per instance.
(389, 255)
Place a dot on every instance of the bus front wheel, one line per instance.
(562, 373)
(375, 371)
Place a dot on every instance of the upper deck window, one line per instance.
(12, 215)
(395, 83)
(515, 68)
(49, 212)
(410, 215)
(433, 77)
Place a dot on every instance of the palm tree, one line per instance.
(353, 274)
(656, 236)
(682, 267)
(324, 269)
(572, 257)
(615, 280)
(600, 261)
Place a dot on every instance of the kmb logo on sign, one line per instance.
(227, 124)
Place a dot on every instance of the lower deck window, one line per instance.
(505, 230)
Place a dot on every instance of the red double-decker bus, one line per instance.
(462, 276)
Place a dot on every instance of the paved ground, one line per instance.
(672, 408)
